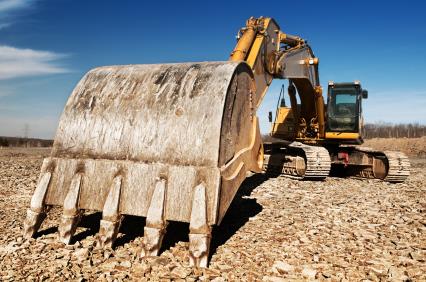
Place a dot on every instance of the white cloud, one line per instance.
(8, 5)
(8, 10)
(4, 25)
(16, 62)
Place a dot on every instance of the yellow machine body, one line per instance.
(284, 126)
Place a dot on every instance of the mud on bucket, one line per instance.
(166, 142)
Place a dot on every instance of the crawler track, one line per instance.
(397, 165)
(300, 161)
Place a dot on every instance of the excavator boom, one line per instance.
(273, 54)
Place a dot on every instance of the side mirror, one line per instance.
(364, 94)
(270, 116)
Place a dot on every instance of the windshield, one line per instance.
(342, 109)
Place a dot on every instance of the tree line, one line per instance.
(24, 142)
(390, 130)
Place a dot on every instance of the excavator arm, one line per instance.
(272, 54)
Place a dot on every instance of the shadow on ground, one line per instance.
(239, 212)
(91, 223)
(241, 209)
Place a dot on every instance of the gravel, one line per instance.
(276, 229)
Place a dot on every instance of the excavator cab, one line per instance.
(344, 119)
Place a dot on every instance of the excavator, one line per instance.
(341, 131)
(174, 142)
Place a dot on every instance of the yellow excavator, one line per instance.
(173, 142)
(342, 130)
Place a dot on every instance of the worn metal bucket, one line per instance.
(166, 142)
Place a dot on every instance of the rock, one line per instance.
(378, 271)
(180, 272)
(81, 254)
(396, 274)
(19, 240)
(282, 267)
(224, 268)
(276, 229)
(418, 256)
(126, 264)
(109, 265)
(141, 269)
(309, 272)
(273, 279)
(108, 253)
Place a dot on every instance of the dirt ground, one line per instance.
(277, 229)
(413, 147)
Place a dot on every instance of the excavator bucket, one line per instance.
(169, 142)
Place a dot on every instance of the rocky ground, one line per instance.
(277, 229)
(413, 147)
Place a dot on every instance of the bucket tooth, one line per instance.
(155, 224)
(199, 230)
(71, 215)
(111, 218)
(37, 211)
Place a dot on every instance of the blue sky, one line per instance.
(47, 45)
